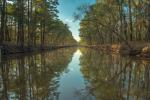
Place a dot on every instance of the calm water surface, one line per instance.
(74, 74)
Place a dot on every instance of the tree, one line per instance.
(30, 23)
(3, 20)
(114, 21)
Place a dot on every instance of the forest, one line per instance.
(29, 24)
(42, 59)
(115, 22)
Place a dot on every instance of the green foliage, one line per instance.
(10, 9)
(33, 22)
(114, 21)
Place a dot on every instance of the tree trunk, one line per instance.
(130, 19)
(3, 21)
(20, 23)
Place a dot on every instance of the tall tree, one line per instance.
(20, 17)
(3, 20)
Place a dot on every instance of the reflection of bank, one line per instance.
(0, 55)
(33, 77)
(3, 81)
(55, 96)
(113, 77)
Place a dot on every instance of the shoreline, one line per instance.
(7, 50)
(138, 50)
(141, 51)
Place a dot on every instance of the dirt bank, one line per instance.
(138, 49)
(12, 49)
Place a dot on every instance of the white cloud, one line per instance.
(68, 21)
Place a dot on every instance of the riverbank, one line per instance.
(14, 49)
(135, 49)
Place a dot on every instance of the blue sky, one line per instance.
(66, 9)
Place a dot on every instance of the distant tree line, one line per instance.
(32, 22)
(114, 21)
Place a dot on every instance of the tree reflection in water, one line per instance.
(85, 93)
(106, 77)
(113, 77)
(34, 77)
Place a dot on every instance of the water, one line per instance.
(74, 74)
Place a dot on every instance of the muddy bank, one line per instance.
(13, 49)
(136, 49)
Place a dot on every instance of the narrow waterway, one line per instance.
(72, 83)
(74, 74)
